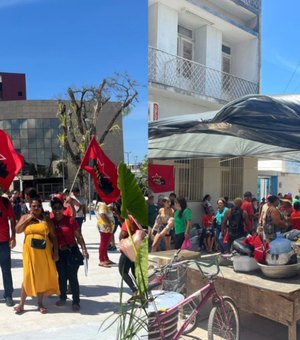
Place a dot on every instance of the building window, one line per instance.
(20, 94)
(226, 68)
(189, 179)
(232, 171)
(185, 49)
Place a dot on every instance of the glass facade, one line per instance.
(37, 140)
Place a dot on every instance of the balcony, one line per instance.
(192, 78)
(253, 5)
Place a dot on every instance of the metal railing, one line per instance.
(170, 70)
(252, 3)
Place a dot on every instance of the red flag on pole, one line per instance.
(104, 171)
(161, 177)
(11, 162)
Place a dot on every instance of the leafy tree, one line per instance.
(79, 114)
(143, 178)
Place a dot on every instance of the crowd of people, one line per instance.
(50, 236)
(171, 219)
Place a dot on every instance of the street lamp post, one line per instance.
(127, 154)
(89, 125)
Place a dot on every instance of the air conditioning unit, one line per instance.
(152, 111)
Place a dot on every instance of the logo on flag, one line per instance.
(11, 162)
(104, 171)
(161, 177)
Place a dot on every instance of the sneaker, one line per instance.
(9, 302)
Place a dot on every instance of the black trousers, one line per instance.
(179, 238)
(65, 273)
(5, 263)
(124, 266)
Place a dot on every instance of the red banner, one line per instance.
(161, 177)
(11, 162)
(104, 171)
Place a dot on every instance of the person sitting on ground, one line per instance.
(234, 220)
(207, 223)
(68, 236)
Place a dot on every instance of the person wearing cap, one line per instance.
(68, 236)
(247, 206)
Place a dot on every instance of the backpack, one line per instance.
(236, 222)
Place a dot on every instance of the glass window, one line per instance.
(55, 143)
(32, 143)
(24, 142)
(46, 123)
(15, 124)
(24, 152)
(39, 133)
(39, 123)
(54, 123)
(31, 133)
(47, 133)
(1, 124)
(40, 143)
(47, 142)
(15, 134)
(7, 124)
(17, 143)
(24, 123)
(31, 123)
(23, 133)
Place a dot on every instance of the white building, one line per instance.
(203, 54)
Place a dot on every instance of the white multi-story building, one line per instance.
(203, 54)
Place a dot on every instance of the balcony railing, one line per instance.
(186, 75)
(255, 4)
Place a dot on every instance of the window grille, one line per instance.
(232, 177)
(189, 179)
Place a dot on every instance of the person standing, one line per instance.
(182, 222)
(39, 255)
(68, 236)
(247, 206)
(105, 225)
(7, 242)
(80, 207)
(220, 213)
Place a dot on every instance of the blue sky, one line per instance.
(280, 47)
(63, 43)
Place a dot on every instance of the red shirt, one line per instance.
(207, 220)
(295, 220)
(133, 228)
(65, 230)
(6, 214)
(247, 206)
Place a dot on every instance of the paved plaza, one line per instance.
(99, 299)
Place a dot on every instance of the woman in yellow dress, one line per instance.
(39, 255)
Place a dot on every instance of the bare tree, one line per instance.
(78, 115)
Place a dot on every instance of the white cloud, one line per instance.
(10, 3)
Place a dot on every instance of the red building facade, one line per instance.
(12, 86)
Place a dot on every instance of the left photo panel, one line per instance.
(73, 169)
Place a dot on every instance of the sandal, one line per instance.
(19, 309)
(42, 309)
(75, 308)
(106, 265)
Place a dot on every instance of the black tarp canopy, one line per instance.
(254, 125)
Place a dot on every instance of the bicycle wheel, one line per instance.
(184, 313)
(218, 328)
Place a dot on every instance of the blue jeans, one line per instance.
(5, 263)
(219, 239)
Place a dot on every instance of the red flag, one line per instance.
(11, 162)
(161, 177)
(104, 171)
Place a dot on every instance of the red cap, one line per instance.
(59, 196)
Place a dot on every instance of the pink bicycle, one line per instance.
(182, 318)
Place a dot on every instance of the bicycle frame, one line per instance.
(209, 291)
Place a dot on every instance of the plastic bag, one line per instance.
(187, 245)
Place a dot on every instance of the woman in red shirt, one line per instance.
(295, 216)
(68, 236)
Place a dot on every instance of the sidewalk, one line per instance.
(99, 299)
